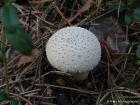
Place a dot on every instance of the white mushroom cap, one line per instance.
(73, 49)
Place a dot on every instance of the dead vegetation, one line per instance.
(33, 81)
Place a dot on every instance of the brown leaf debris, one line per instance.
(27, 59)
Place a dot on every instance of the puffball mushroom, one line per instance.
(74, 50)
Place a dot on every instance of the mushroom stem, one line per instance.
(80, 76)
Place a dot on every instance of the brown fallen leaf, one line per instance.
(79, 12)
(108, 28)
(27, 59)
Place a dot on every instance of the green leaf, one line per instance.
(2, 56)
(138, 62)
(20, 40)
(136, 14)
(138, 51)
(119, 5)
(9, 17)
(14, 102)
(8, 1)
(3, 96)
(128, 18)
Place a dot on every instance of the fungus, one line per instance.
(74, 50)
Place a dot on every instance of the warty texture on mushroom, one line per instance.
(74, 50)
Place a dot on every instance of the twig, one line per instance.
(5, 65)
(6, 76)
(60, 13)
(68, 88)
(29, 103)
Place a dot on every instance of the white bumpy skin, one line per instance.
(74, 50)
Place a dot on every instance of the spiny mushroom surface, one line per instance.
(74, 50)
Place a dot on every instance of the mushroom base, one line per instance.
(79, 75)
